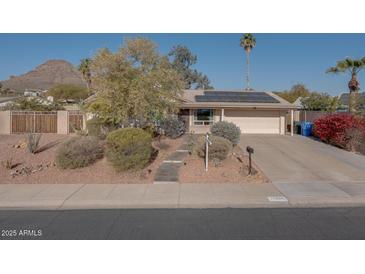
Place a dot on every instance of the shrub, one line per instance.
(32, 104)
(98, 128)
(336, 129)
(79, 152)
(151, 129)
(33, 142)
(129, 148)
(227, 130)
(8, 163)
(191, 142)
(219, 149)
(173, 127)
(355, 137)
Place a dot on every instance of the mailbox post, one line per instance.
(250, 151)
(207, 143)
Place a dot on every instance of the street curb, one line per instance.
(95, 205)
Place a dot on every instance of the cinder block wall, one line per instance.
(5, 122)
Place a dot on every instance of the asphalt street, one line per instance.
(268, 223)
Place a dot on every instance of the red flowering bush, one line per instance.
(335, 128)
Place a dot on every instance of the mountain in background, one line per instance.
(45, 76)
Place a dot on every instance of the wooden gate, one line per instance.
(75, 120)
(33, 121)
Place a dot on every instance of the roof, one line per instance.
(7, 99)
(298, 102)
(234, 99)
(344, 97)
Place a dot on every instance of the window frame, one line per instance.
(197, 122)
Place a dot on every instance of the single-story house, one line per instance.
(34, 92)
(344, 100)
(4, 101)
(253, 111)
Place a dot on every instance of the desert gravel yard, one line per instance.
(232, 170)
(41, 166)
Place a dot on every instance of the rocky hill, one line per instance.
(46, 76)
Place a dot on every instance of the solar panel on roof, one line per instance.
(236, 97)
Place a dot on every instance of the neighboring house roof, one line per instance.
(4, 101)
(72, 107)
(298, 102)
(344, 98)
(234, 99)
(90, 98)
(7, 99)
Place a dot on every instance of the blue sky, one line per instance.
(278, 61)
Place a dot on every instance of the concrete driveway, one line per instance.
(299, 159)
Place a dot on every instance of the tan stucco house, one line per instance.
(254, 112)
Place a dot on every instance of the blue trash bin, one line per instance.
(306, 128)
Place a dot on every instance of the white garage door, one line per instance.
(254, 121)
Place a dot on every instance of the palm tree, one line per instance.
(84, 68)
(353, 67)
(248, 42)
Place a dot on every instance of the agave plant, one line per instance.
(33, 142)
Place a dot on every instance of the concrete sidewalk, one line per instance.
(96, 196)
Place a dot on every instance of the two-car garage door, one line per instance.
(255, 121)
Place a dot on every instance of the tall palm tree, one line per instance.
(248, 42)
(84, 68)
(352, 67)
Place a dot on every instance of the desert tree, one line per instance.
(182, 60)
(321, 102)
(296, 91)
(135, 83)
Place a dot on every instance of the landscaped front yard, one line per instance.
(232, 170)
(42, 168)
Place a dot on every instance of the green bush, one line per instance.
(79, 152)
(31, 104)
(227, 130)
(129, 148)
(98, 128)
(219, 149)
(173, 127)
(151, 129)
(191, 142)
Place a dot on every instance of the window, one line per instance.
(203, 117)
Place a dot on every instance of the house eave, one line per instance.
(240, 106)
